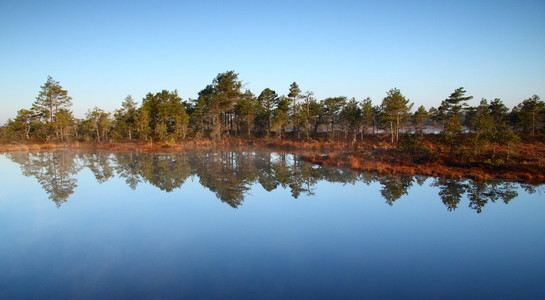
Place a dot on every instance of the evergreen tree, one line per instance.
(125, 119)
(530, 114)
(482, 126)
(351, 118)
(141, 122)
(498, 111)
(64, 124)
(281, 116)
(294, 115)
(419, 119)
(100, 123)
(332, 108)
(226, 93)
(51, 99)
(307, 115)
(367, 115)
(207, 112)
(395, 108)
(450, 114)
(267, 102)
(22, 124)
(167, 117)
(454, 104)
(246, 111)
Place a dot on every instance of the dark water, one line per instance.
(259, 225)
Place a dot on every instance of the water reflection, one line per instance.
(55, 171)
(231, 174)
(393, 187)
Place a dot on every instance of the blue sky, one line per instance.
(103, 51)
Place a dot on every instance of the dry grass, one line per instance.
(527, 162)
(527, 166)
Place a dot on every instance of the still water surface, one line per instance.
(253, 224)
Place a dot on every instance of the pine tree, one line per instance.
(449, 113)
(351, 118)
(454, 104)
(333, 107)
(51, 99)
(482, 125)
(293, 95)
(167, 116)
(226, 94)
(22, 124)
(419, 118)
(267, 103)
(281, 116)
(395, 108)
(246, 111)
(530, 113)
(125, 119)
(367, 115)
(100, 122)
(307, 116)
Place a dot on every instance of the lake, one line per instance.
(259, 225)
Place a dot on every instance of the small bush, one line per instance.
(410, 144)
(494, 163)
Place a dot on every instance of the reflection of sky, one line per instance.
(342, 242)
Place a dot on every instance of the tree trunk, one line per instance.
(98, 133)
(392, 132)
(398, 121)
(533, 124)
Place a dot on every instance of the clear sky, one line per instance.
(103, 51)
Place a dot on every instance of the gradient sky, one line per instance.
(103, 51)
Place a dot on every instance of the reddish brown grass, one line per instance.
(526, 163)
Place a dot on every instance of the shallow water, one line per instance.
(222, 224)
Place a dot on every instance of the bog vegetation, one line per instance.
(454, 132)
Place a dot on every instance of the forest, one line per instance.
(224, 109)
(454, 134)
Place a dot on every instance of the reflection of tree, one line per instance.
(227, 174)
(479, 193)
(53, 170)
(231, 174)
(368, 178)
(127, 165)
(99, 164)
(266, 176)
(393, 187)
(506, 191)
(165, 171)
(450, 191)
(532, 189)
(281, 171)
(338, 175)
(420, 179)
(303, 178)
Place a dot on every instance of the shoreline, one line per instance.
(477, 171)
(361, 157)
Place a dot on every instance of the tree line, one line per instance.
(225, 109)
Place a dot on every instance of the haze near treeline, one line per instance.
(103, 51)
